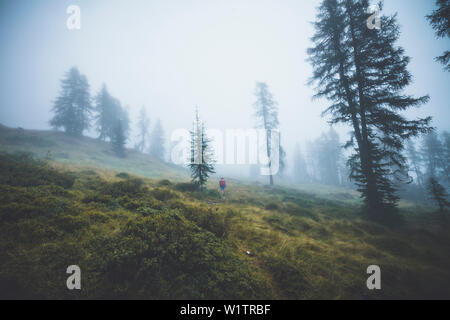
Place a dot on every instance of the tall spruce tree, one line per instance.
(143, 130)
(433, 154)
(157, 149)
(311, 161)
(328, 155)
(324, 155)
(201, 160)
(300, 170)
(440, 21)
(267, 117)
(438, 194)
(105, 113)
(73, 108)
(362, 72)
(108, 111)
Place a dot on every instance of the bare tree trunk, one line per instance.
(268, 137)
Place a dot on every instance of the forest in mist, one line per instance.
(225, 150)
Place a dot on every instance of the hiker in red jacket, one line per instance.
(222, 185)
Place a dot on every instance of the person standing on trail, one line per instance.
(222, 185)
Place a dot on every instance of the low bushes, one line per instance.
(130, 240)
(130, 187)
(186, 187)
(134, 239)
(22, 170)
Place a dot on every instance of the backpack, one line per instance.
(222, 183)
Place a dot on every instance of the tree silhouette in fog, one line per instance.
(72, 108)
(440, 21)
(362, 72)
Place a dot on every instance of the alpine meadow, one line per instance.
(194, 150)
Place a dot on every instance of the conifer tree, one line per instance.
(438, 193)
(300, 170)
(282, 161)
(73, 108)
(433, 153)
(440, 21)
(201, 160)
(362, 72)
(157, 149)
(105, 113)
(143, 130)
(328, 155)
(108, 111)
(267, 117)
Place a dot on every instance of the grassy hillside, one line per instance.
(83, 153)
(137, 237)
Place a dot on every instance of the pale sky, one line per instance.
(173, 55)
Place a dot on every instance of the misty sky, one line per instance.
(172, 55)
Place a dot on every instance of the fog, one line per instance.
(174, 55)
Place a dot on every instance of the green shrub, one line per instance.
(207, 219)
(132, 188)
(213, 193)
(98, 217)
(147, 211)
(186, 187)
(164, 183)
(104, 199)
(123, 175)
(129, 203)
(272, 206)
(134, 241)
(164, 256)
(162, 194)
(24, 171)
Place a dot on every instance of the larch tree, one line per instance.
(72, 108)
(363, 73)
(440, 21)
(267, 118)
